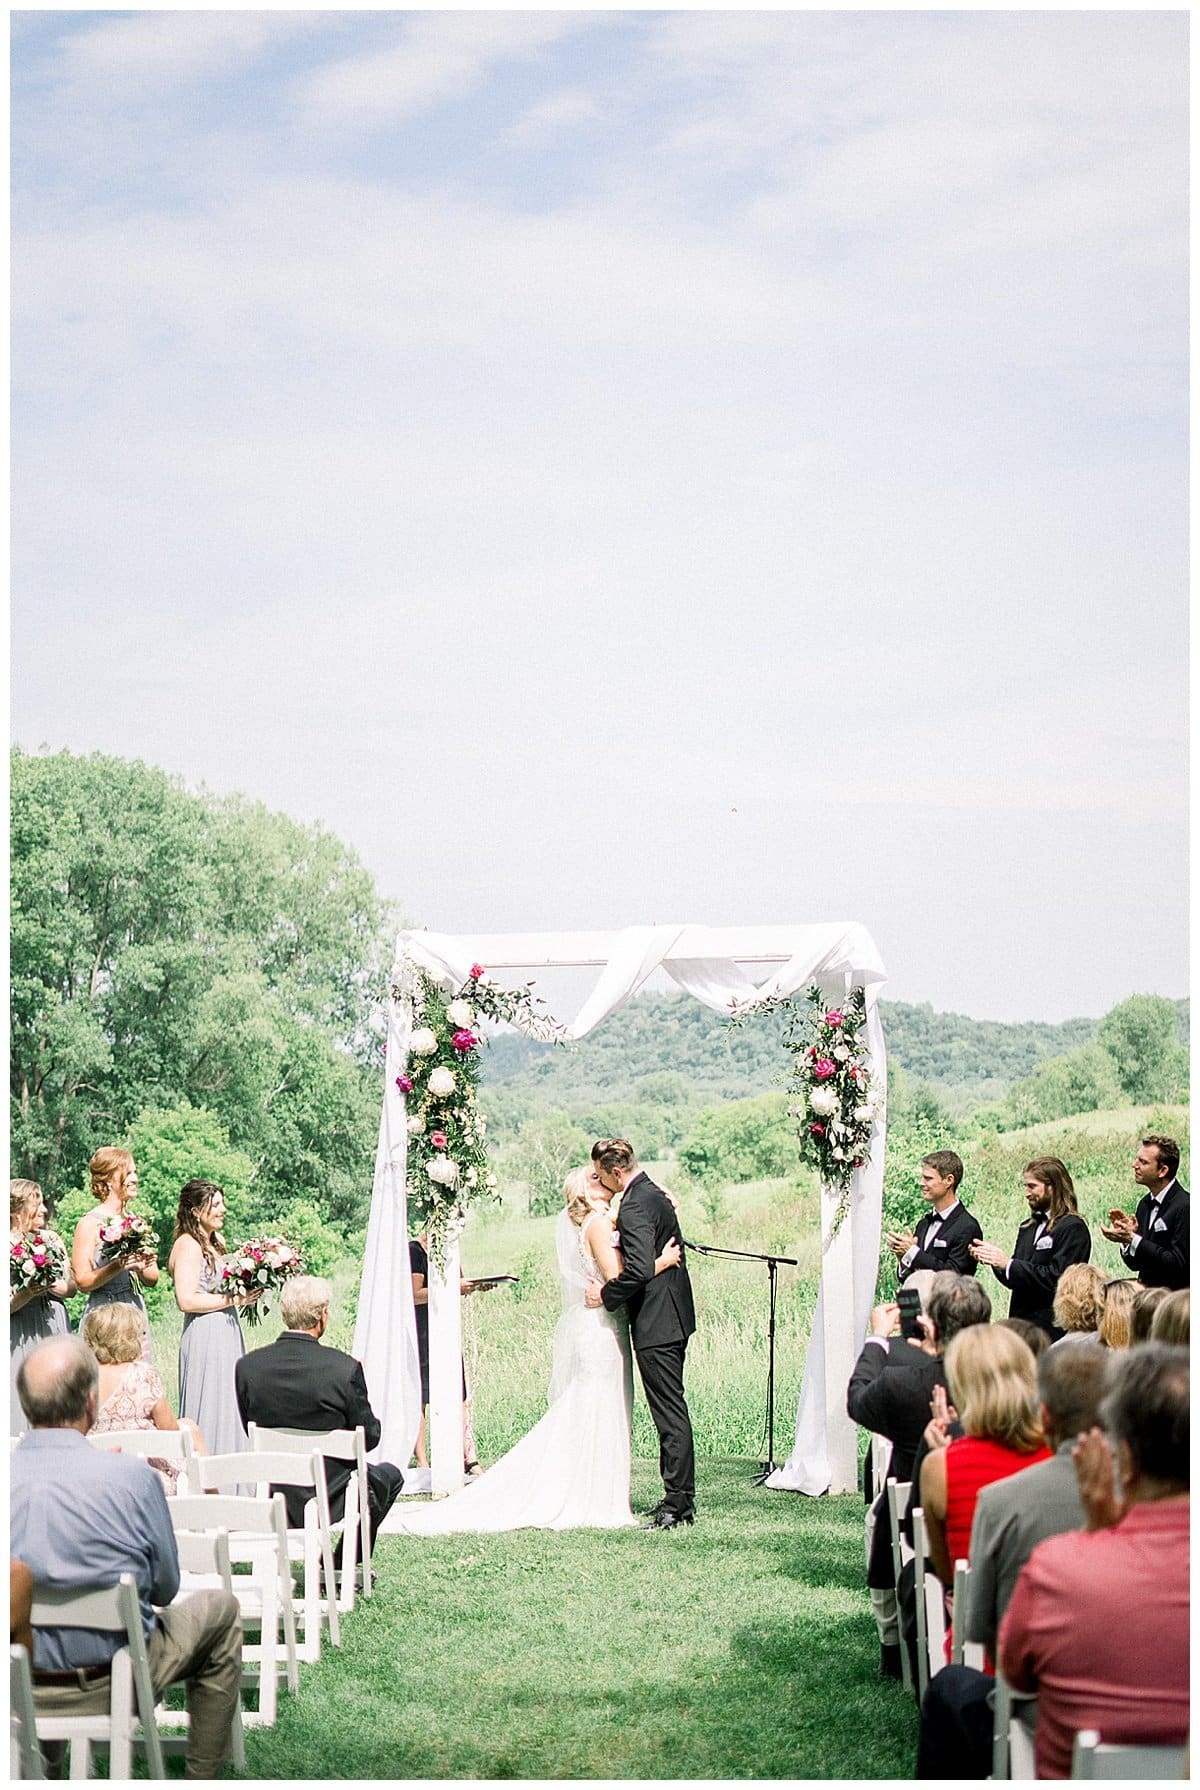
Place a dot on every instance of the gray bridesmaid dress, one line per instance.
(41, 1318)
(208, 1350)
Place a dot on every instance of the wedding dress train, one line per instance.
(571, 1471)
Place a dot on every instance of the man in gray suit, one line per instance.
(1011, 1517)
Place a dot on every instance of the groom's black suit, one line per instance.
(661, 1318)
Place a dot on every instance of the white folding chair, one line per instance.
(897, 1499)
(204, 1565)
(931, 1612)
(1014, 1717)
(962, 1651)
(168, 1445)
(1094, 1758)
(131, 1695)
(881, 1455)
(24, 1753)
(355, 1520)
(258, 1537)
(311, 1545)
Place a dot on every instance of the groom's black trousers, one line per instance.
(661, 1369)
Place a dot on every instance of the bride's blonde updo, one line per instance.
(581, 1202)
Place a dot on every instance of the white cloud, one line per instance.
(148, 53)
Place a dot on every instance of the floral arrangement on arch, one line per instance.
(448, 1167)
(832, 1096)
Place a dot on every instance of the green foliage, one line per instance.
(184, 1143)
(171, 948)
(1084, 1080)
(911, 1136)
(1140, 1036)
(301, 1223)
(544, 1153)
(748, 1140)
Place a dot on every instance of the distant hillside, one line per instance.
(672, 1033)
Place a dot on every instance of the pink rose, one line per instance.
(476, 971)
(816, 1130)
(823, 1068)
(404, 1083)
(438, 1140)
(463, 1041)
(835, 1018)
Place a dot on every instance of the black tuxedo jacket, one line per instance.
(1163, 1258)
(660, 1305)
(297, 1383)
(1035, 1270)
(891, 1396)
(952, 1245)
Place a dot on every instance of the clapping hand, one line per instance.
(1121, 1226)
(1093, 1457)
(899, 1242)
(990, 1254)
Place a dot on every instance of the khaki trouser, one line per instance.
(198, 1641)
(883, 1603)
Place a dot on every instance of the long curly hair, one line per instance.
(193, 1198)
(1057, 1177)
(108, 1167)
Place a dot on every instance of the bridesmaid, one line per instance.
(114, 1186)
(212, 1335)
(33, 1314)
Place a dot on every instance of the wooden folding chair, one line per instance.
(258, 1537)
(311, 1546)
(204, 1565)
(355, 1520)
(116, 1608)
(897, 1500)
(24, 1754)
(1094, 1758)
(931, 1612)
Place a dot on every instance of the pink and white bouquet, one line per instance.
(36, 1262)
(126, 1236)
(260, 1265)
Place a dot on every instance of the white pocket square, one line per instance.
(1044, 1243)
(940, 1242)
(1160, 1224)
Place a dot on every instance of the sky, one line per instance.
(630, 467)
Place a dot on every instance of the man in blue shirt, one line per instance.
(81, 1517)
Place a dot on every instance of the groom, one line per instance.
(661, 1318)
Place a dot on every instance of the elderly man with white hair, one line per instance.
(297, 1383)
(82, 1517)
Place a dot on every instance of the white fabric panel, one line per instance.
(385, 1336)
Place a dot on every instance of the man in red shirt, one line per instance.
(1098, 1624)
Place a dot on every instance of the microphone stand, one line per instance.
(746, 1255)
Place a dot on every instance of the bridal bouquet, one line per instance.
(126, 1236)
(261, 1264)
(36, 1261)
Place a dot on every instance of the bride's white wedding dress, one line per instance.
(572, 1469)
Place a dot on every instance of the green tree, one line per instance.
(174, 1145)
(748, 1140)
(1082, 1081)
(545, 1152)
(1140, 1036)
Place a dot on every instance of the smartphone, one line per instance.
(909, 1301)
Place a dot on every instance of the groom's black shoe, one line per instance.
(670, 1519)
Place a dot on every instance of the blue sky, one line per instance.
(630, 466)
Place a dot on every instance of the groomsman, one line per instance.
(943, 1238)
(1156, 1241)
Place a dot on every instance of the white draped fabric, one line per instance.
(713, 964)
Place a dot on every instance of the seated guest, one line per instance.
(1146, 1301)
(1113, 1332)
(1035, 1336)
(1078, 1303)
(82, 1517)
(20, 1605)
(944, 1236)
(1156, 1239)
(1052, 1239)
(991, 1377)
(1172, 1322)
(295, 1383)
(1011, 1516)
(1098, 1624)
(131, 1392)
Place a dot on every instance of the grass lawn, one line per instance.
(742, 1648)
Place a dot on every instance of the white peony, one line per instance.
(472, 1176)
(460, 1013)
(838, 1153)
(441, 1082)
(423, 1042)
(489, 1180)
(865, 1113)
(416, 1125)
(823, 1101)
(840, 1053)
(442, 1170)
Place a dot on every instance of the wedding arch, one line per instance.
(715, 964)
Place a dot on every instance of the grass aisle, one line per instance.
(742, 1648)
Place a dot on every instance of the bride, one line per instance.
(572, 1469)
